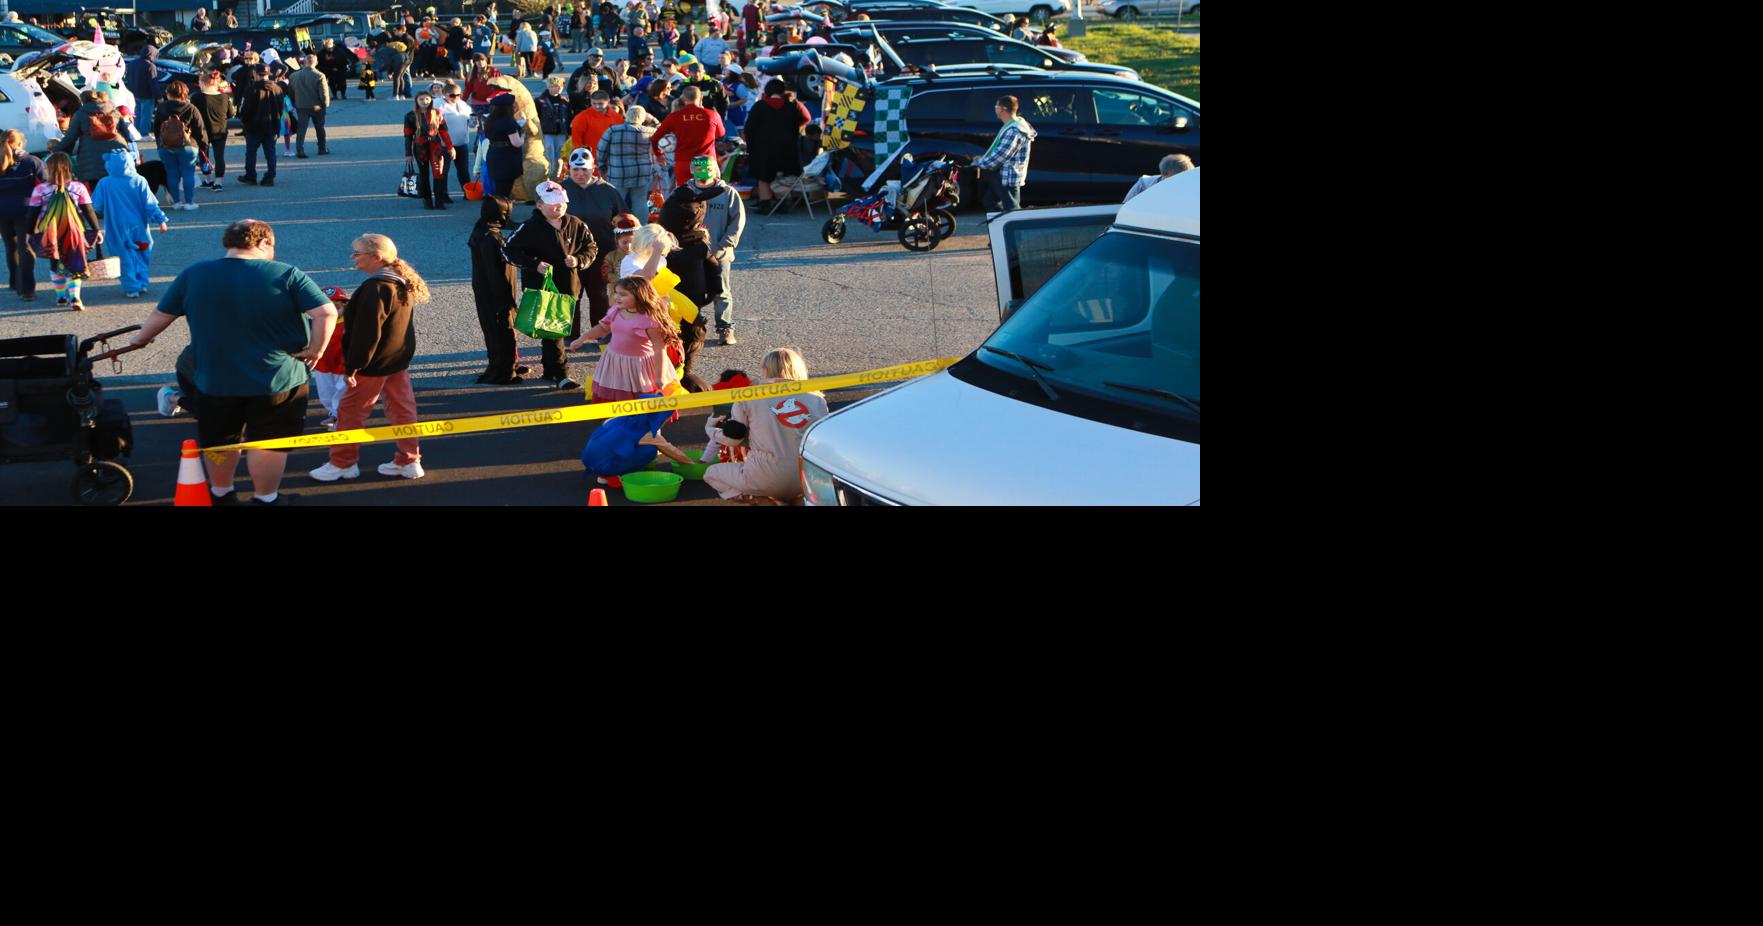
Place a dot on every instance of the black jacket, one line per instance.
(535, 240)
(492, 276)
(216, 109)
(260, 108)
(195, 124)
(379, 326)
(597, 205)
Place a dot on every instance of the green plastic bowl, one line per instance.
(691, 470)
(645, 486)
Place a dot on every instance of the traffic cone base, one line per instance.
(597, 499)
(192, 489)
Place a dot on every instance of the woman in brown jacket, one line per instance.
(379, 340)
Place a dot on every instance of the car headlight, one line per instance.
(817, 486)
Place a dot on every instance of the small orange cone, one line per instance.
(192, 485)
(597, 499)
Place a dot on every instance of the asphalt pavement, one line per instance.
(859, 305)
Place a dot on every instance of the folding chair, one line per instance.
(814, 169)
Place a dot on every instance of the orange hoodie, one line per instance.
(588, 125)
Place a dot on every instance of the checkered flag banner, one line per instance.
(843, 103)
(890, 121)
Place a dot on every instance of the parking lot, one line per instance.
(864, 304)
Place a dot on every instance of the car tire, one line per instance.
(1127, 12)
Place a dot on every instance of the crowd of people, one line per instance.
(636, 219)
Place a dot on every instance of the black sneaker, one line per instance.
(281, 499)
(229, 500)
(248, 181)
(566, 384)
(267, 182)
(522, 371)
(301, 155)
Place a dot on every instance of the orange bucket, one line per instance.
(474, 191)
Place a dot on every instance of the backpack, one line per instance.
(103, 126)
(172, 133)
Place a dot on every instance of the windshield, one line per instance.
(38, 33)
(1124, 313)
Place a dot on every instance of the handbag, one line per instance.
(545, 313)
(99, 267)
(407, 186)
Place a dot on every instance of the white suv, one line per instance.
(1087, 394)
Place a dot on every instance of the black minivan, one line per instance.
(1096, 135)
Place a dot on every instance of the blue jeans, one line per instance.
(143, 117)
(180, 170)
(998, 197)
(267, 143)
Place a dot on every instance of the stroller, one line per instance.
(920, 207)
(51, 406)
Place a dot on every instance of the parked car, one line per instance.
(1130, 9)
(1097, 134)
(926, 45)
(1087, 394)
(1036, 10)
(897, 11)
(41, 84)
(17, 39)
(287, 37)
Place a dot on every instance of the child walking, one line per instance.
(127, 204)
(60, 214)
(641, 330)
(329, 376)
(367, 81)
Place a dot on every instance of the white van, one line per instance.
(1087, 394)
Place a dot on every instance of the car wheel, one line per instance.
(1041, 14)
(1127, 12)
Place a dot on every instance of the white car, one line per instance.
(1035, 10)
(1132, 8)
(29, 96)
(1087, 394)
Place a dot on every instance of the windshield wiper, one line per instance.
(1161, 393)
(1031, 364)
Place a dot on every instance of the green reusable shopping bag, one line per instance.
(545, 313)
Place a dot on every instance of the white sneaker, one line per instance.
(191, 207)
(329, 473)
(168, 401)
(411, 471)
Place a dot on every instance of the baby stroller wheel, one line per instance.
(833, 231)
(918, 234)
(945, 219)
(102, 482)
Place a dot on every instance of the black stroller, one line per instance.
(51, 406)
(923, 208)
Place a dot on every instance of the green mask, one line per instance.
(703, 168)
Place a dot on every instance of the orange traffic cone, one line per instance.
(192, 485)
(597, 499)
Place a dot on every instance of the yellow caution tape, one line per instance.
(550, 416)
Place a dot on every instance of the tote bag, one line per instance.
(545, 313)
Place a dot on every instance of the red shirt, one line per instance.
(695, 131)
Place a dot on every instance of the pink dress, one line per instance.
(627, 368)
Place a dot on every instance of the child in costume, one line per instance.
(616, 447)
(126, 203)
(716, 451)
(290, 122)
(642, 333)
(330, 377)
(60, 212)
(367, 81)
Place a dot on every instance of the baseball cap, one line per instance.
(596, 53)
(551, 194)
(336, 294)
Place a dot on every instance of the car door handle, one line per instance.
(1108, 134)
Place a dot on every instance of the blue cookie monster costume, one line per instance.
(125, 202)
(613, 450)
